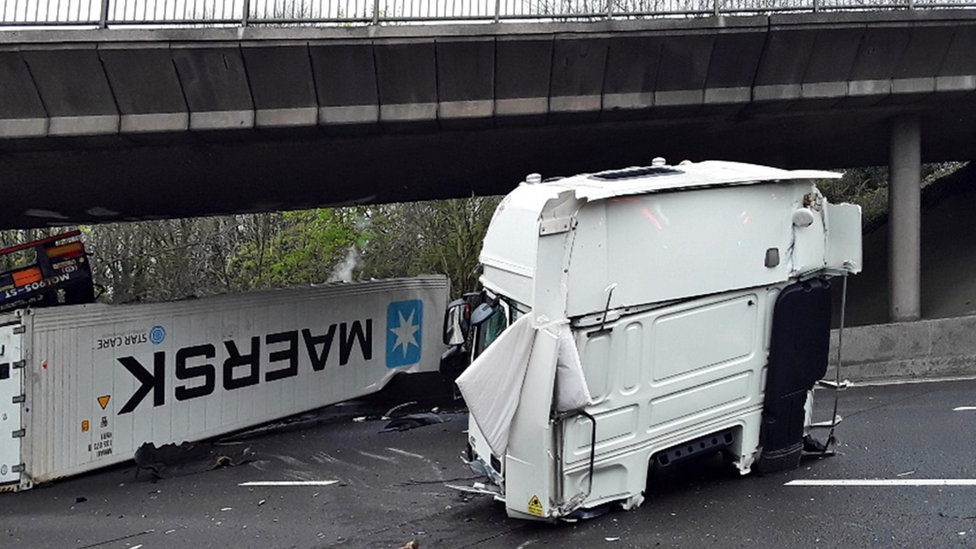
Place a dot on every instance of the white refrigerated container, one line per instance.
(82, 387)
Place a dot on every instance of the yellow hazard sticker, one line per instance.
(103, 401)
(85, 426)
(535, 506)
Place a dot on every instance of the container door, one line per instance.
(844, 238)
(11, 401)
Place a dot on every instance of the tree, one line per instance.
(441, 236)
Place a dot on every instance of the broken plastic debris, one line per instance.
(412, 421)
(226, 508)
(260, 503)
(906, 473)
(412, 544)
(830, 383)
(389, 413)
(359, 419)
(828, 423)
(612, 539)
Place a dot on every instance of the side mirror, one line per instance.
(456, 323)
(482, 313)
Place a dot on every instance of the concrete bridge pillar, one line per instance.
(904, 221)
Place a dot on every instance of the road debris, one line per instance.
(171, 460)
(412, 421)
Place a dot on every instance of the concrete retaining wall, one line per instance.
(912, 350)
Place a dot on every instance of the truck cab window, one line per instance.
(489, 331)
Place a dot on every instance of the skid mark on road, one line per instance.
(322, 457)
(302, 475)
(379, 457)
(406, 453)
(294, 462)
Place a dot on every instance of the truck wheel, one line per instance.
(784, 459)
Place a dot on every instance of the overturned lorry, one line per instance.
(635, 318)
(85, 386)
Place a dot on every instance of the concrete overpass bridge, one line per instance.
(137, 123)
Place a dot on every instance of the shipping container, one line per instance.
(82, 387)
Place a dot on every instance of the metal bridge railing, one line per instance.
(213, 13)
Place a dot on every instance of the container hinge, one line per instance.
(20, 433)
(18, 364)
(17, 468)
(19, 329)
(19, 399)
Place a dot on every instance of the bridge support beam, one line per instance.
(904, 221)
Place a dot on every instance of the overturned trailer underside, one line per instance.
(662, 313)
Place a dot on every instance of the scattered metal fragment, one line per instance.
(389, 413)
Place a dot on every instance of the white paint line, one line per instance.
(886, 482)
(964, 408)
(289, 483)
(406, 453)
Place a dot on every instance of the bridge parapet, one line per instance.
(199, 13)
(132, 82)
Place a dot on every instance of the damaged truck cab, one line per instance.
(635, 318)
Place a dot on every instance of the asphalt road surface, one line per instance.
(389, 489)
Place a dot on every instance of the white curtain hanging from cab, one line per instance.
(492, 384)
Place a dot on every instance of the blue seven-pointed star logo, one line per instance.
(404, 322)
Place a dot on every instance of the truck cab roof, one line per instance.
(660, 177)
(661, 232)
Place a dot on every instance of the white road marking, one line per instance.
(289, 483)
(886, 482)
(964, 409)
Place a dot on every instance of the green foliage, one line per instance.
(868, 187)
(441, 236)
(302, 247)
(179, 258)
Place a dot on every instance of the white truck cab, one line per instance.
(635, 318)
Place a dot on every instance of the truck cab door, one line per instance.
(11, 402)
(529, 464)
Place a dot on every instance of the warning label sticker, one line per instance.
(103, 401)
(535, 506)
